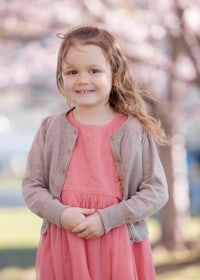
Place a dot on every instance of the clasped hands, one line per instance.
(85, 223)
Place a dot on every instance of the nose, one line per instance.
(83, 78)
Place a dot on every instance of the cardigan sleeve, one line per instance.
(147, 198)
(35, 188)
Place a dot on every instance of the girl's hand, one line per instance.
(73, 216)
(90, 228)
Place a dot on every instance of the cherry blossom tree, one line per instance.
(161, 40)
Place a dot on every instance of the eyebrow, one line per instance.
(69, 65)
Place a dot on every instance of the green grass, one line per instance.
(15, 273)
(19, 228)
(188, 273)
(19, 237)
(20, 234)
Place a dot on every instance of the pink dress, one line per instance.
(92, 182)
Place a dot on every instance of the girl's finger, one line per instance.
(81, 227)
(87, 212)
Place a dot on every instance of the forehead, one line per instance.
(84, 53)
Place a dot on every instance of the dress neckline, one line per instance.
(118, 118)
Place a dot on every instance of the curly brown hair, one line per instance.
(124, 96)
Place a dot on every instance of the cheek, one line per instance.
(109, 78)
(108, 83)
(64, 83)
(67, 84)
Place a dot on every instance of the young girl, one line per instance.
(93, 173)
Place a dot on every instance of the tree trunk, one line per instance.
(174, 215)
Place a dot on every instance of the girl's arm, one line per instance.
(151, 194)
(35, 184)
(35, 188)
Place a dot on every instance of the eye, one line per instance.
(94, 71)
(70, 72)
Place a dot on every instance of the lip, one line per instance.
(84, 92)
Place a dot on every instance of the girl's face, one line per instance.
(87, 77)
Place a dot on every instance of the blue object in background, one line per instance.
(193, 160)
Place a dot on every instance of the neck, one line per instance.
(93, 117)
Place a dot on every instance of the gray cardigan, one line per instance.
(137, 162)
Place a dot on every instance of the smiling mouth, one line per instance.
(82, 92)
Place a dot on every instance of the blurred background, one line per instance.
(162, 42)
